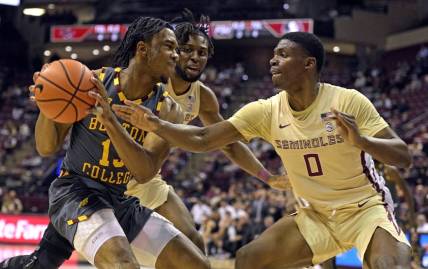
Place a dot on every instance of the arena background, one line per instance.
(375, 46)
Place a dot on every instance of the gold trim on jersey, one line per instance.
(116, 80)
(121, 95)
(102, 74)
(161, 101)
(77, 220)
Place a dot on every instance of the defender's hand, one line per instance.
(279, 182)
(347, 128)
(137, 115)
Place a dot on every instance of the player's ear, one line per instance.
(310, 63)
(141, 49)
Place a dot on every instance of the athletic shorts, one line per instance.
(152, 194)
(73, 199)
(331, 232)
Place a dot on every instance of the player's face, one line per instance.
(162, 55)
(193, 58)
(288, 65)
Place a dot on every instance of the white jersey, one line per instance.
(188, 101)
(155, 192)
(323, 169)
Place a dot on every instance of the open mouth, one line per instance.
(192, 70)
(275, 72)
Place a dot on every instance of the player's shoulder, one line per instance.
(341, 92)
(272, 99)
(206, 95)
(105, 70)
(203, 88)
(337, 89)
(264, 105)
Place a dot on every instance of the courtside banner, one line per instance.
(26, 229)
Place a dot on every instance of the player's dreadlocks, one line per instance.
(142, 29)
(190, 26)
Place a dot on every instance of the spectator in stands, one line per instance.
(11, 203)
(243, 233)
(260, 227)
(422, 224)
(210, 229)
(259, 206)
(200, 212)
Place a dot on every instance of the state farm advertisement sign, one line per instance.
(26, 229)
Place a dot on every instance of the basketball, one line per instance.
(61, 91)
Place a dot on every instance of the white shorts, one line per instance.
(152, 194)
(330, 232)
(102, 226)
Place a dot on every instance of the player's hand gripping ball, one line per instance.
(61, 91)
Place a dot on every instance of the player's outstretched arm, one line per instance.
(191, 138)
(142, 162)
(156, 148)
(237, 152)
(49, 135)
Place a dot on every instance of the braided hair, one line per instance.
(141, 29)
(190, 26)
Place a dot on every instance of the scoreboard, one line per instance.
(258, 28)
(81, 33)
(217, 30)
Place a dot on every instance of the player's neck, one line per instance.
(134, 84)
(179, 85)
(301, 98)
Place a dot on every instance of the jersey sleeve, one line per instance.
(253, 120)
(368, 119)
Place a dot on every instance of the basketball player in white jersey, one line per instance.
(195, 100)
(326, 137)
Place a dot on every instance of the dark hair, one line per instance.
(190, 26)
(141, 29)
(311, 44)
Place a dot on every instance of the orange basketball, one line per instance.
(61, 91)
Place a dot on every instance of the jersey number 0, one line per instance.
(314, 167)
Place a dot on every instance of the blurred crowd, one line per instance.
(229, 207)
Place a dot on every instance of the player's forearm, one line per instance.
(190, 138)
(241, 155)
(139, 162)
(389, 151)
(48, 137)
